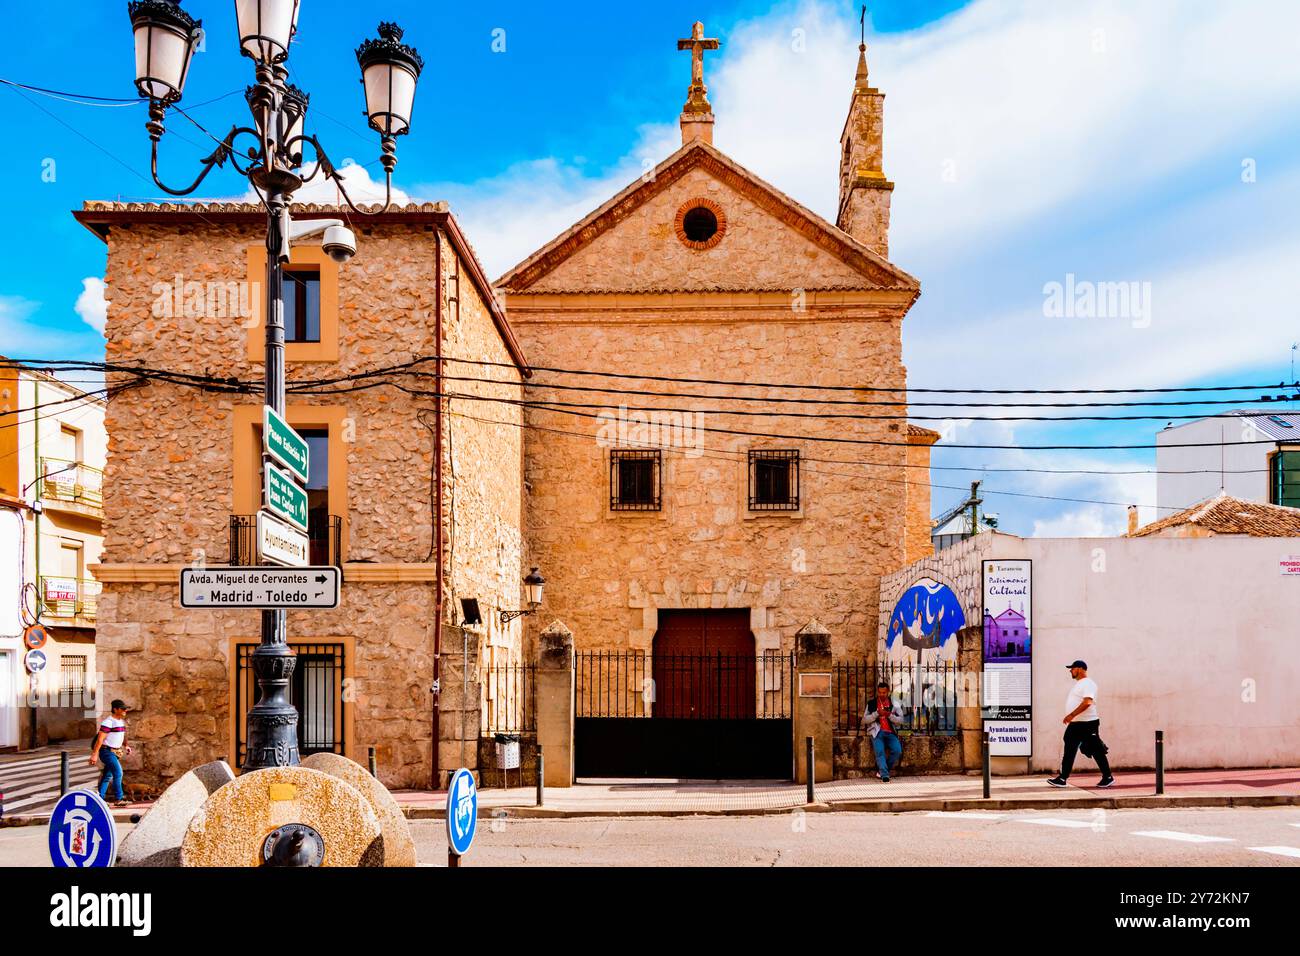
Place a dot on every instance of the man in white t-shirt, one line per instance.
(109, 748)
(1082, 723)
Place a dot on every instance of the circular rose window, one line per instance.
(701, 223)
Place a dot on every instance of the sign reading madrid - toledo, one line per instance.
(264, 587)
(284, 444)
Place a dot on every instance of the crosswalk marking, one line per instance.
(1058, 822)
(1279, 850)
(30, 783)
(1184, 837)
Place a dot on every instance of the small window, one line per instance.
(1285, 485)
(773, 480)
(700, 224)
(634, 480)
(72, 679)
(301, 304)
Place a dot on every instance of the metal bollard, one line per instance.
(63, 772)
(811, 771)
(1160, 762)
(541, 774)
(988, 772)
(371, 755)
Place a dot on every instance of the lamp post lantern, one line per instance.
(165, 40)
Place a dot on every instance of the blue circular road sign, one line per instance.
(462, 811)
(82, 831)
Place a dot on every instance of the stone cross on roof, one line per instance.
(697, 100)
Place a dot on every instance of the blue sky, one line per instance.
(1145, 141)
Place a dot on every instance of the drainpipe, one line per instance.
(36, 571)
(437, 524)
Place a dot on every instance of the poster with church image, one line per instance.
(1008, 653)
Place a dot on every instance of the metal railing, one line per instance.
(509, 699)
(73, 482)
(324, 541)
(693, 686)
(66, 597)
(927, 696)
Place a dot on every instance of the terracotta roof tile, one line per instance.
(1224, 514)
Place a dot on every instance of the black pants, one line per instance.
(1076, 732)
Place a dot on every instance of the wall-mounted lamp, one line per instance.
(533, 585)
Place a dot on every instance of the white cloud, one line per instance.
(91, 304)
(361, 187)
(1090, 521)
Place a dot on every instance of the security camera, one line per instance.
(339, 243)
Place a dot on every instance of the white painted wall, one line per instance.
(1179, 633)
(11, 645)
(1228, 451)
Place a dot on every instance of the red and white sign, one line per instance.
(1290, 564)
(60, 589)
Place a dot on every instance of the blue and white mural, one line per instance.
(924, 624)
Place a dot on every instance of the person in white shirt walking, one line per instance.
(108, 749)
(1082, 723)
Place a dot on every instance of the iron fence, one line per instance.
(693, 686)
(927, 696)
(509, 699)
(71, 481)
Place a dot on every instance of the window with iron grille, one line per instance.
(72, 677)
(316, 690)
(773, 480)
(635, 479)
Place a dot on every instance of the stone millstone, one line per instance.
(156, 840)
(399, 846)
(232, 825)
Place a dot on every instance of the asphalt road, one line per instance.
(1147, 838)
(1206, 837)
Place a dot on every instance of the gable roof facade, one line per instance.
(869, 271)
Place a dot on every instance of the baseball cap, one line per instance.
(1083, 664)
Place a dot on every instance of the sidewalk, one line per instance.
(599, 798)
(622, 798)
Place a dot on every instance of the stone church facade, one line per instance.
(702, 272)
(698, 300)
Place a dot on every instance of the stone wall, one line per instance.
(170, 489)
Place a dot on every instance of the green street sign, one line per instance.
(283, 497)
(283, 443)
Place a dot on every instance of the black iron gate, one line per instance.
(694, 716)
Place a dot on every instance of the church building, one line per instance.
(727, 466)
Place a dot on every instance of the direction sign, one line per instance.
(267, 588)
(281, 544)
(462, 811)
(81, 831)
(283, 443)
(283, 497)
(35, 661)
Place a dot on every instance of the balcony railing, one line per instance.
(61, 597)
(324, 541)
(71, 482)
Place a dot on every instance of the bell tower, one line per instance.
(864, 190)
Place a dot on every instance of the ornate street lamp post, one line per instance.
(165, 40)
